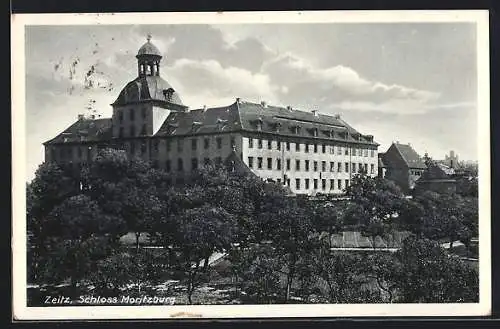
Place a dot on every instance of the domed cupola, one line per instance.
(148, 59)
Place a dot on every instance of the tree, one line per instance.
(433, 276)
(386, 271)
(200, 232)
(374, 201)
(337, 274)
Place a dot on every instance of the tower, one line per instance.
(145, 102)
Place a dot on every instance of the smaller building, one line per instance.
(435, 179)
(403, 165)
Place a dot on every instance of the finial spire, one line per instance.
(149, 37)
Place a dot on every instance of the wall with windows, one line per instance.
(180, 155)
(308, 166)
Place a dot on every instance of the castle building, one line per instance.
(308, 152)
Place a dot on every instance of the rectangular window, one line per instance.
(346, 167)
(297, 147)
(288, 146)
(169, 145)
(259, 143)
(120, 134)
(339, 167)
(339, 150)
(332, 149)
(353, 169)
(180, 145)
(287, 164)
(278, 164)
(339, 184)
(278, 180)
(155, 145)
(269, 163)
(219, 142)
(307, 164)
(307, 183)
(323, 148)
(132, 114)
(315, 164)
(366, 168)
(143, 112)
(315, 184)
(250, 143)
(346, 183)
(360, 167)
(278, 145)
(288, 182)
(218, 161)
(194, 164)
(194, 144)
(354, 152)
(306, 148)
(323, 184)
(206, 143)
(180, 165)
(332, 184)
(132, 131)
(269, 145)
(259, 162)
(372, 168)
(132, 148)
(297, 183)
(346, 151)
(250, 162)
(120, 116)
(315, 148)
(323, 166)
(332, 166)
(168, 166)
(297, 165)
(79, 152)
(372, 153)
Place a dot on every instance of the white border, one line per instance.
(22, 312)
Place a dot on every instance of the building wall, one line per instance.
(439, 186)
(280, 172)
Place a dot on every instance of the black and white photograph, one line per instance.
(251, 164)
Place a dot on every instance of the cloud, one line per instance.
(343, 86)
(209, 77)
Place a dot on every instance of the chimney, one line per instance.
(238, 100)
(263, 103)
(315, 112)
(80, 117)
(289, 108)
(92, 116)
(204, 108)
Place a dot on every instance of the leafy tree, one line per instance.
(200, 232)
(433, 276)
(386, 271)
(337, 274)
(373, 203)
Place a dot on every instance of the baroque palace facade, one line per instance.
(307, 151)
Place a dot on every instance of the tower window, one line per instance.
(120, 116)
(206, 143)
(194, 144)
(132, 114)
(219, 142)
(180, 165)
(168, 166)
(132, 131)
(250, 162)
(143, 112)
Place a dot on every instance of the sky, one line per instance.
(409, 82)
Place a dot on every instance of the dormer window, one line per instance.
(258, 124)
(167, 94)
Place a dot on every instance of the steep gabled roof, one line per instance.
(412, 159)
(434, 172)
(85, 130)
(247, 116)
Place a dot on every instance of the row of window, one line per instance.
(333, 184)
(416, 173)
(333, 166)
(315, 147)
(66, 153)
(194, 164)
